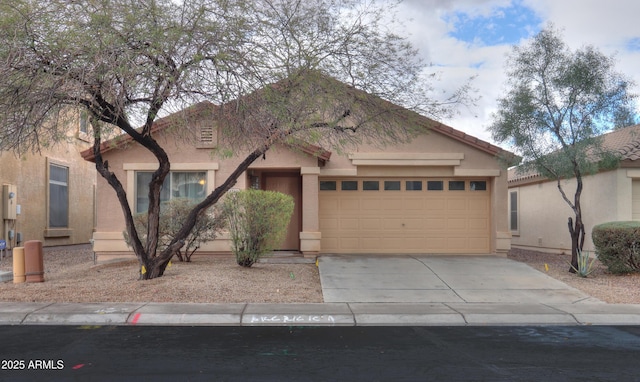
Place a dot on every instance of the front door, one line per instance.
(290, 184)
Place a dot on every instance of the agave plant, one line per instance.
(585, 263)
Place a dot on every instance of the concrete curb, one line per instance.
(321, 314)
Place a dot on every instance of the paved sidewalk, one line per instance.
(327, 314)
(371, 290)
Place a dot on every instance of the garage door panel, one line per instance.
(330, 204)
(457, 205)
(328, 224)
(392, 204)
(349, 243)
(330, 242)
(412, 224)
(370, 244)
(457, 244)
(418, 221)
(436, 245)
(371, 223)
(432, 224)
(392, 244)
(370, 203)
(435, 205)
(413, 205)
(479, 207)
(456, 224)
(478, 245)
(350, 224)
(481, 224)
(373, 233)
(351, 203)
(394, 223)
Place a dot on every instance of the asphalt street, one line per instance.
(159, 353)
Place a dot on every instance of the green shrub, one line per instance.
(257, 222)
(618, 245)
(173, 213)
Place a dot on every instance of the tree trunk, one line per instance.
(577, 241)
(576, 230)
(153, 268)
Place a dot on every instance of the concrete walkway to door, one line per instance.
(453, 279)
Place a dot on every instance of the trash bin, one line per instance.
(18, 265)
(33, 262)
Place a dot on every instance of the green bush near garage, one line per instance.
(618, 245)
(257, 222)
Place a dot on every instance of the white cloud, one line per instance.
(609, 26)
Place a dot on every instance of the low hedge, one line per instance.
(618, 245)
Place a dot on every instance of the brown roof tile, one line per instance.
(625, 141)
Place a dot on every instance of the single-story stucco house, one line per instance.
(445, 192)
(538, 214)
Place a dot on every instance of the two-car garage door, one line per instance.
(405, 215)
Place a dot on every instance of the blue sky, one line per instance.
(504, 25)
(464, 38)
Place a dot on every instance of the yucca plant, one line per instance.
(585, 263)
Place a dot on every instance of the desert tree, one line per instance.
(626, 116)
(557, 104)
(329, 71)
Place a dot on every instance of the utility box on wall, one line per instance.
(9, 202)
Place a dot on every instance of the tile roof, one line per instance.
(625, 141)
(207, 108)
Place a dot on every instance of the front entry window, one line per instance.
(178, 184)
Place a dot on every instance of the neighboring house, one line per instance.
(539, 215)
(49, 196)
(445, 192)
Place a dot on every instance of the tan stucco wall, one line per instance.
(110, 220)
(29, 175)
(470, 163)
(543, 214)
(110, 214)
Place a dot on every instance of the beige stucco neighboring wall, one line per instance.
(29, 174)
(543, 214)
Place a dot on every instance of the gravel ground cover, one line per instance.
(611, 288)
(72, 276)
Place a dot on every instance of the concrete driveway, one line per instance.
(439, 279)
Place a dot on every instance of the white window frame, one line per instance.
(132, 168)
(516, 192)
(51, 163)
(169, 180)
